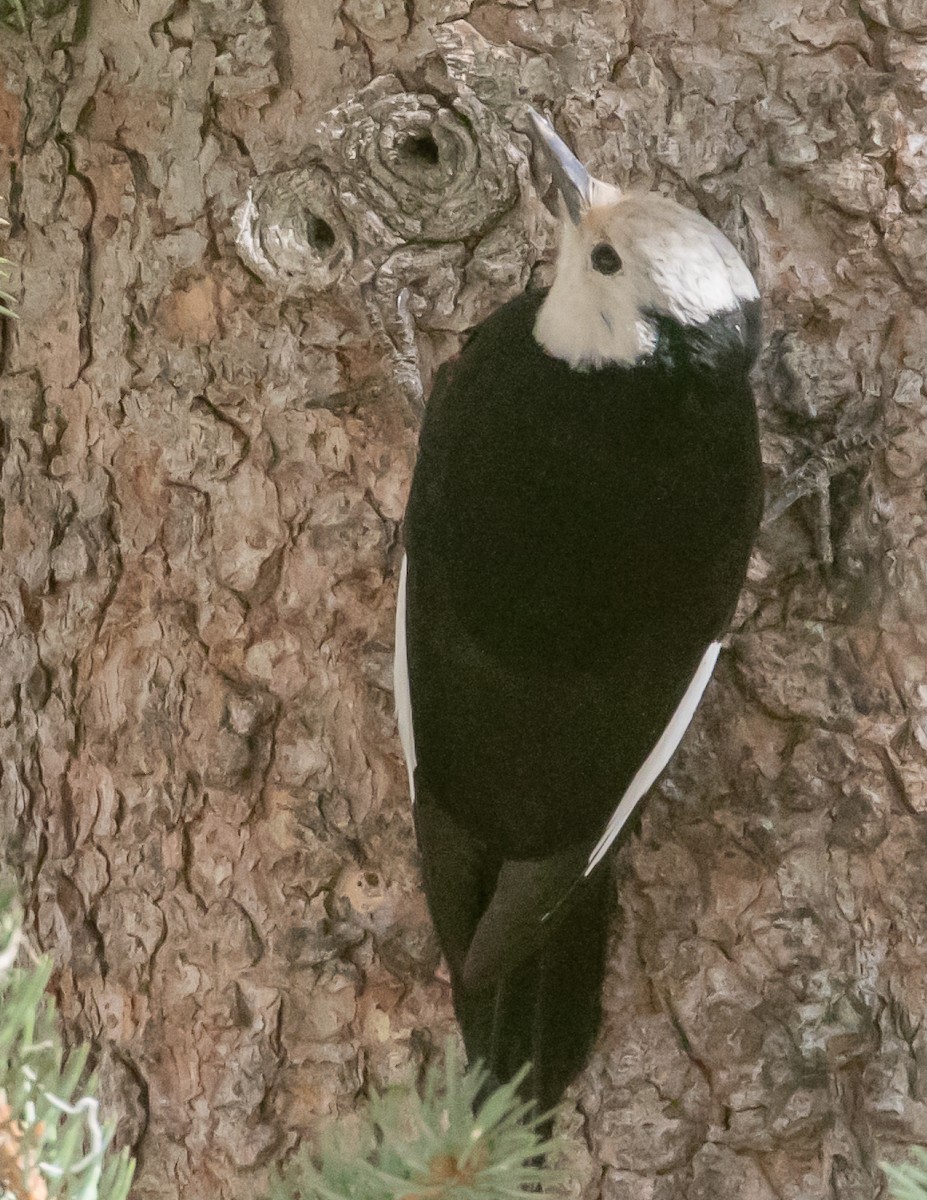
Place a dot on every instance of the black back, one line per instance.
(576, 539)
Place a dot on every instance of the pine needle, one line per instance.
(430, 1146)
(52, 1144)
(6, 300)
(909, 1180)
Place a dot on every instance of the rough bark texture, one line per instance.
(247, 232)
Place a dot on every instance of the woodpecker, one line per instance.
(586, 494)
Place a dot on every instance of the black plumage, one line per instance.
(576, 540)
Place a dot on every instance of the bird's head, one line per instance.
(626, 260)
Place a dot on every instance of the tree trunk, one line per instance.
(245, 234)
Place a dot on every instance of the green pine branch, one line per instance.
(430, 1146)
(6, 300)
(909, 1180)
(443, 1144)
(52, 1143)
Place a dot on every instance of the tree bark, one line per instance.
(245, 234)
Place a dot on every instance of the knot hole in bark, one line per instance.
(428, 170)
(291, 232)
(394, 167)
(422, 149)
(319, 234)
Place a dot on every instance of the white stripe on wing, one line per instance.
(401, 694)
(659, 756)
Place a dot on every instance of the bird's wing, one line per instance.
(402, 694)
(529, 893)
(513, 925)
(489, 912)
(664, 749)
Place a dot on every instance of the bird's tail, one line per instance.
(547, 1010)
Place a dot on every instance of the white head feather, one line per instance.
(673, 262)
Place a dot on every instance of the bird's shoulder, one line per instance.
(515, 318)
(488, 351)
(473, 393)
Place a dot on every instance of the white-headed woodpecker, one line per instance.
(586, 495)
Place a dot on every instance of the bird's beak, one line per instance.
(572, 179)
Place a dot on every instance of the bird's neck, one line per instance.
(572, 326)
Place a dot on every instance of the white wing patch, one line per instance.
(659, 756)
(402, 696)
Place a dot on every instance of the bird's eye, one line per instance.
(605, 259)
